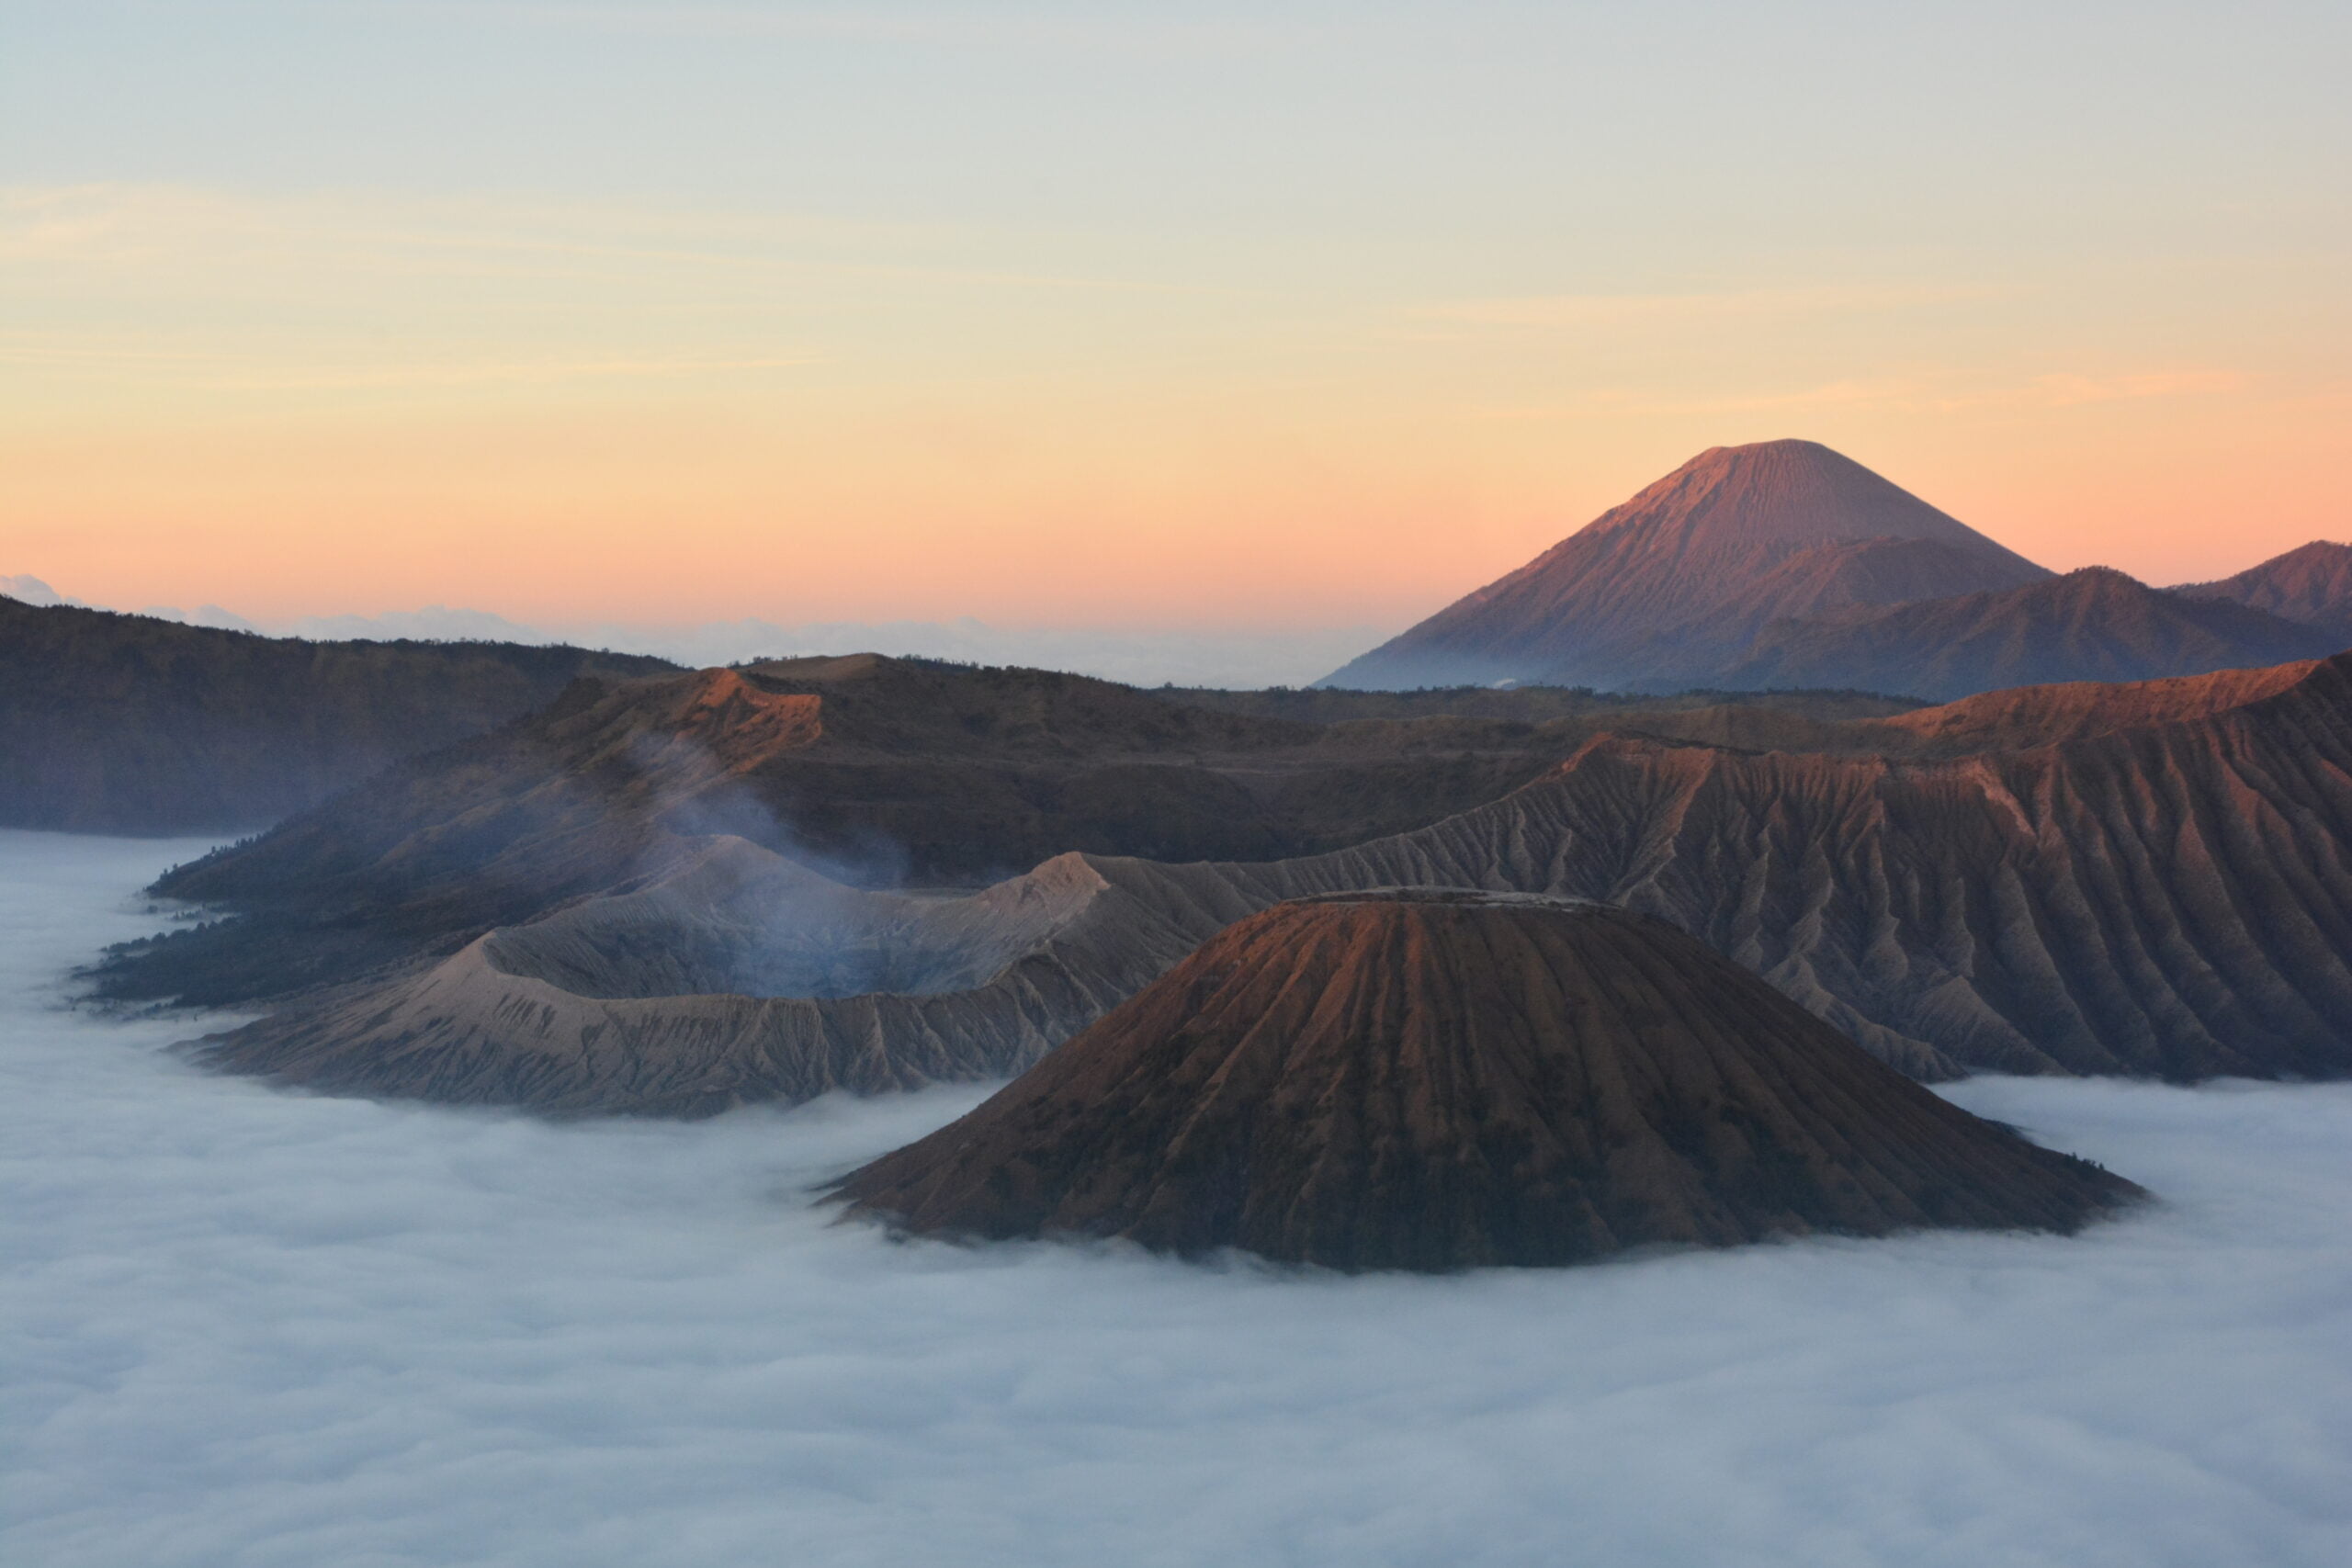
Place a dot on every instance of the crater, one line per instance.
(743, 921)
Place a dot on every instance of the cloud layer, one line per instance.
(254, 1328)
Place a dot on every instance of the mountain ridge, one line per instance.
(2158, 886)
(886, 771)
(119, 723)
(2093, 624)
(2311, 583)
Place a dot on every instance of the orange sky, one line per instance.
(1115, 401)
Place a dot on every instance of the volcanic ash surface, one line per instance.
(1437, 1079)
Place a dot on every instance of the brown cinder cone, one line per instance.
(1439, 1079)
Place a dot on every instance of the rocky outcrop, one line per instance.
(129, 724)
(1437, 1081)
(1659, 592)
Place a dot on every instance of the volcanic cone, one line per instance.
(1439, 1079)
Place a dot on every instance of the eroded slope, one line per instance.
(2170, 898)
(1438, 1080)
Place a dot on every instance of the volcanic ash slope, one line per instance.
(1439, 1079)
(2163, 889)
(740, 976)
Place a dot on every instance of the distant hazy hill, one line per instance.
(2092, 625)
(2311, 583)
(131, 724)
(1674, 583)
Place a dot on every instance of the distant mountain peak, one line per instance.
(30, 590)
(1796, 492)
(2093, 624)
(1680, 576)
(2311, 583)
(2316, 550)
(2106, 581)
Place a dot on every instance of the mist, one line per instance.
(252, 1327)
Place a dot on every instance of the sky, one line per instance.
(1202, 318)
(248, 1328)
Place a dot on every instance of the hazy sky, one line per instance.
(1117, 315)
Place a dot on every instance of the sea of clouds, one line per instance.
(244, 1326)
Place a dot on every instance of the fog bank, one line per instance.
(241, 1326)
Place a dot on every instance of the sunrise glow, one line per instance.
(1094, 323)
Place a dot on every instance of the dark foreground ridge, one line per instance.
(132, 724)
(1433, 1081)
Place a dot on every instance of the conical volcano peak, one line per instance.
(1444, 1078)
(1787, 491)
(1672, 586)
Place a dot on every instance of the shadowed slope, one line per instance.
(2170, 898)
(128, 724)
(2024, 717)
(2092, 625)
(738, 977)
(1673, 583)
(2311, 583)
(886, 771)
(1434, 1080)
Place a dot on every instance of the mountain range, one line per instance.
(1225, 657)
(1752, 571)
(1787, 564)
(2311, 583)
(2148, 878)
(583, 882)
(877, 770)
(2092, 625)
